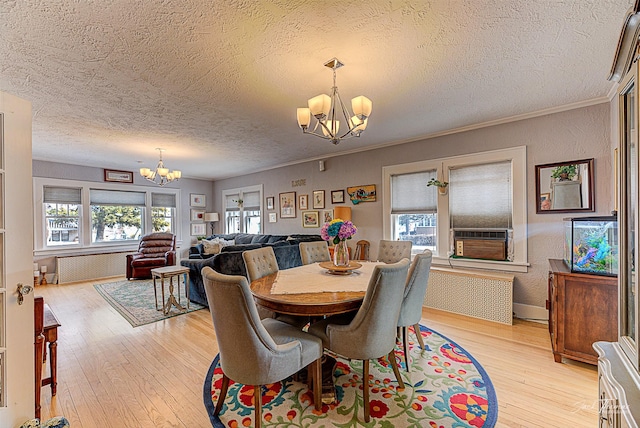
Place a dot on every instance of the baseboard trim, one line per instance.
(531, 313)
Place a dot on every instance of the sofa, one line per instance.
(229, 260)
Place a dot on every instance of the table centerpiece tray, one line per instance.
(340, 270)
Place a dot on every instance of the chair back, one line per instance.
(394, 251)
(157, 244)
(245, 346)
(313, 252)
(260, 262)
(372, 332)
(362, 250)
(415, 290)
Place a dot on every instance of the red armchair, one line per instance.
(155, 250)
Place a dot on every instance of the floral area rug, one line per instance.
(446, 387)
(134, 300)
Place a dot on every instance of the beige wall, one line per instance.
(569, 135)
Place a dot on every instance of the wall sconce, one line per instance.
(211, 218)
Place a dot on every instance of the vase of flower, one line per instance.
(341, 253)
(338, 231)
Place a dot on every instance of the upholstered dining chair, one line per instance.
(393, 251)
(253, 351)
(414, 292)
(371, 333)
(314, 251)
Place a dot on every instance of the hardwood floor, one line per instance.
(113, 375)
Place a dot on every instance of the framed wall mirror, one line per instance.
(565, 187)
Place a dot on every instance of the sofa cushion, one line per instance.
(242, 247)
(244, 238)
(260, 239)
(277, 244)
(276, 238)
(304, 238)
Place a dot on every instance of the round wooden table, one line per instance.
(304, 304)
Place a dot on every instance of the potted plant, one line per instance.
(564, 172)
(441, 185)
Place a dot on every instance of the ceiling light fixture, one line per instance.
(328, 109)
(161, 173)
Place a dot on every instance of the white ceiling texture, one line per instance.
(217, 83)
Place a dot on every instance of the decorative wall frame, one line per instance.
(303, 202)
(310, 219)
(337, 196)
(198, 229)
(118, 176)
(273, 218)
(318, 199)
(327, 216)
(197, 215)
(288, 205)
(366, 193)
(197, 200)
(271, 202)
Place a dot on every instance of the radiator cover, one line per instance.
(86, 267)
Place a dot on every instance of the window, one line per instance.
(62, 215)
(243, 210)
(414, 209)
(116, 215)
(486, 190)
(163, 210)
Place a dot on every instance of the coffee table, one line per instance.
(170, 272)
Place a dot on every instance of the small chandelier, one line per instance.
(161, 173)
(328, 109)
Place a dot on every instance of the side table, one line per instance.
(170, 272)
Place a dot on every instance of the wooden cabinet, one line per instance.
(583, 309)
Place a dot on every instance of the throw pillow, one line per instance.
(210, 247)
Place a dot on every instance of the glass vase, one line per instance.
(341, 254)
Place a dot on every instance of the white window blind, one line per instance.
(117, 197)
(62, 195)
(231, 202)
(410, 193)
(251, 200)
(480, 196)
(163, 200)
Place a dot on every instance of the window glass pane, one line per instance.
(162, 219)
(252, 221)
(419, 228)
(480, 196)
(62, 224)
(233, 221)
(111, 223)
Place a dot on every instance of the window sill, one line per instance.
(481, 264)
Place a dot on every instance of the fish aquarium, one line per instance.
(591, 245)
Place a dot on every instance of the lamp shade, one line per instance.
(343, 213)
(320, 106)
(211, 217)
(361, 106)
(304, 117)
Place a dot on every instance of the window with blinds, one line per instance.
(163, 208)
(116, 215)
(414, 209)
(243, 209)
(62, 215)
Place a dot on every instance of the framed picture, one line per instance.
(545, 201)
(337, 196)
(318, 199)
(270, 202)
(362, 193)
(288, 205)
(327, 216)
(272, 218)
(310, 219)
(303, 202)
(118, 176)
(198, 229)
(197, 200)
(197, 215)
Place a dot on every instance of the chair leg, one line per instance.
(365, 389)
(396, 371)
(416, 329)
(257, 399)
(223, 394)
(405, 346)
(317, 383)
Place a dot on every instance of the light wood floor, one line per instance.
(113, 375)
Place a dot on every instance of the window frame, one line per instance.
(84, 241)
(518, 159)
(242, 220)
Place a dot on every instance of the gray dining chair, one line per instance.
(254, 351)
(393, 251)
(371, 333)
(414, 292)
(313, 252)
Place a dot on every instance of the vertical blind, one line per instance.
(410, 193)
(480, 196)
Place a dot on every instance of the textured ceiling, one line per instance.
(217, 83)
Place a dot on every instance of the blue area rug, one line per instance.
(446, 387)
(134, 300)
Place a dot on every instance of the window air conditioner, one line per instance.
(487, 244)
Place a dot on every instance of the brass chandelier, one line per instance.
(160, 175)
(330, 110)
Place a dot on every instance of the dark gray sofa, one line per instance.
(230, 262)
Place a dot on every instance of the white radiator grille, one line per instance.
(475, 294)
(90, 266)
